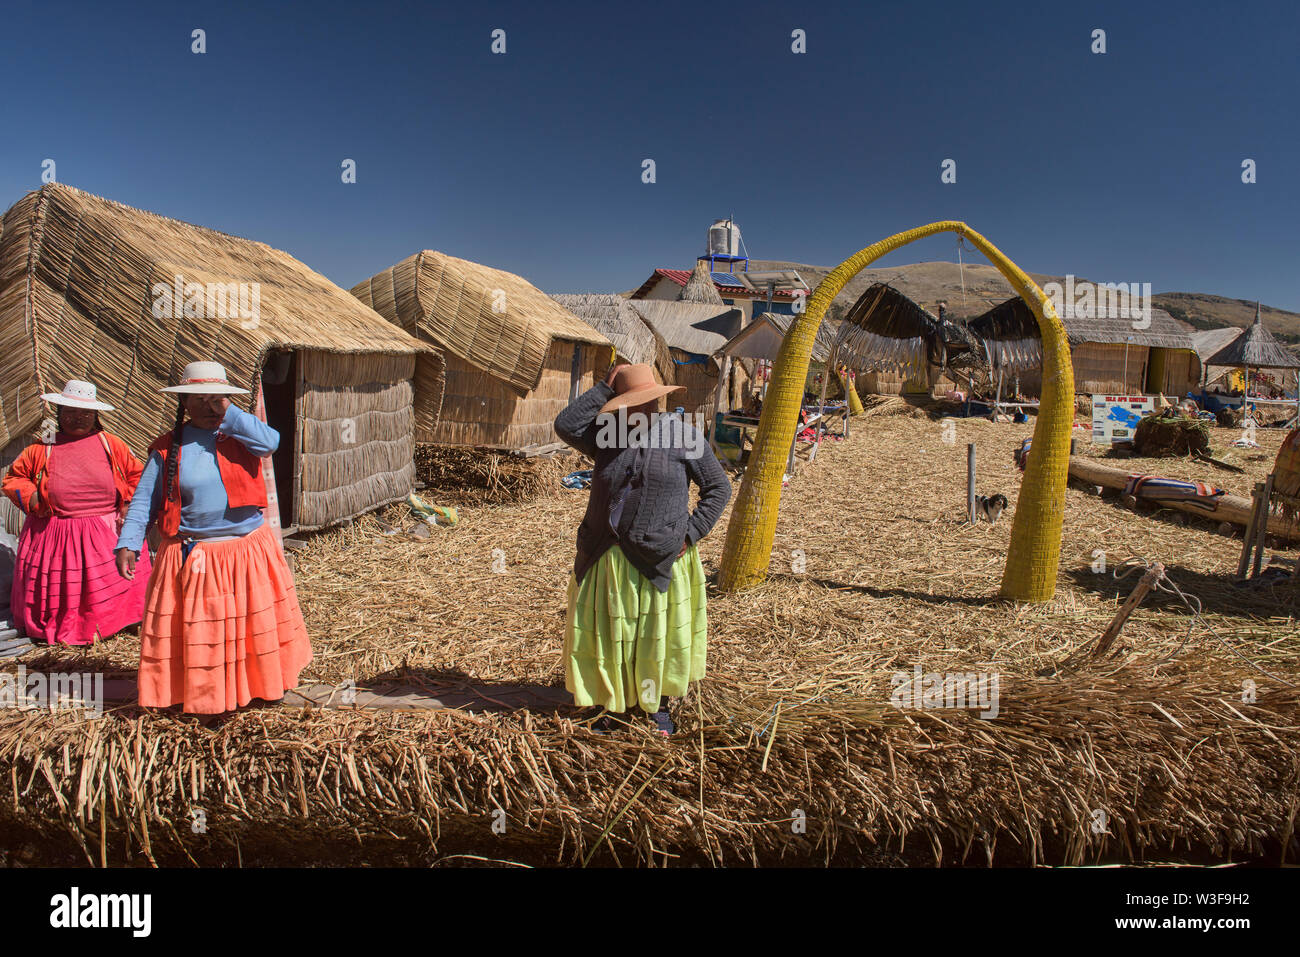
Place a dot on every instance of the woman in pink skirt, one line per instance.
(74, 489)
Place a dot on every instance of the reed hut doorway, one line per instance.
(280, 375)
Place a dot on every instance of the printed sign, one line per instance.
(1115, 417)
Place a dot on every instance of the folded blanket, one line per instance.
(579, 479)
(1197, 494)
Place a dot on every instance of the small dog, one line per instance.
(989, 507)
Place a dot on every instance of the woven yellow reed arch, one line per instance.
(1030, 573)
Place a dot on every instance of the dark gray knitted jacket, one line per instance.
(656, 517)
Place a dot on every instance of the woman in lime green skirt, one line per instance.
(636, 629)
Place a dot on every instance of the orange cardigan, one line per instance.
(29, 474)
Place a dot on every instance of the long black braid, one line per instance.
(173, 456)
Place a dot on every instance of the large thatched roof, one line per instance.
(612, 315)
(1255, 347)
(885, 330)
(81, 281)
(690, 326)
(1011, 336)
(493, 319)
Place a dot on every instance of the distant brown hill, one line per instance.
(930, 283)
(1211, 312)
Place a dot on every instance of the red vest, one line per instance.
(241, 474)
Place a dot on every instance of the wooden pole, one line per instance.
(1148, 581)
(1248, 539)
(717, 404)
(826, 381)
(1262, 522)
(970, 482)
(997, 399)
(575, 374)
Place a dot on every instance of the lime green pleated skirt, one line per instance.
(625, 642)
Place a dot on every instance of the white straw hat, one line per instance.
(205, 378)
(78, 395)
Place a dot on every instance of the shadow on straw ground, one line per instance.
(975, 601)
(1218, 594)
(457, 689)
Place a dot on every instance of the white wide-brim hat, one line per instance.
(205, 378)
(78, 395)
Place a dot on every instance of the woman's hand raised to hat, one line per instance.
(613, 371)
(126, 563)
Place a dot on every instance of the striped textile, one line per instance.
(1198, 494)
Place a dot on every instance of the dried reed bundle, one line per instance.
(878, 406)
(1160, 436)
(464, 476)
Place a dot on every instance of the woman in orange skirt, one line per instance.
(222, 625)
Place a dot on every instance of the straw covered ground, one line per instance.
(1179, 746)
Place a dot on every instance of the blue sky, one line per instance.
(1118, 167)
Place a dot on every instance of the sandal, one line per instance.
(607, 722)
(664, 723)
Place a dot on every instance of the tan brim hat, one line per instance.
(207, 388)
(78, 395)
(55, 399)
(205, 378)
(638, 396)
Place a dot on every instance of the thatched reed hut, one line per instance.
(514, 356)
(634, 340)
(761, 340)
(1209, 341)
(900, 347)
(694, 332)
(1110, 355)
(1255, 349)
(699, 288)
(92, 289)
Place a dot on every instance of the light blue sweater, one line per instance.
(205, 508)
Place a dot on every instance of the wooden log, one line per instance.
(1147, 582)
(1230, 508)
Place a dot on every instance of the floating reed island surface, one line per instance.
(1179, 745)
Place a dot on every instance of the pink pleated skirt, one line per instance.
(222, 627)
(66, 587)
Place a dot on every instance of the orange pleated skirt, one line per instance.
(223, 628)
